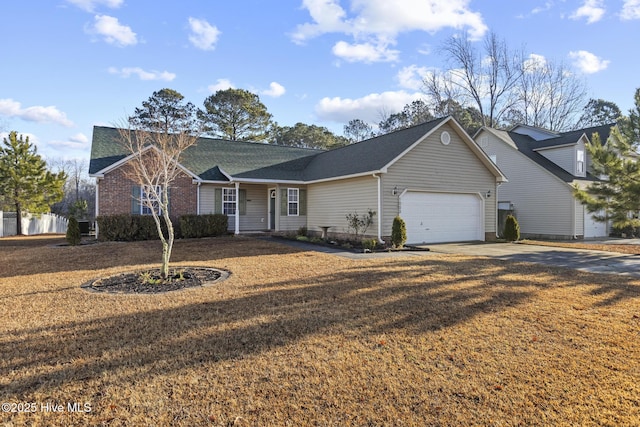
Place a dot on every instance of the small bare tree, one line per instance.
(157, 137)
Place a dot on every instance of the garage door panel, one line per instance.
(442, 217)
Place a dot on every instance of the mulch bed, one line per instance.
(151, 281)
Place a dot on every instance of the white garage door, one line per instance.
(593, 228)
(442, 217)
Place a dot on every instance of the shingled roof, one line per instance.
(530, 147)
(209, 157)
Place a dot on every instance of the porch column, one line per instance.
(237, 208)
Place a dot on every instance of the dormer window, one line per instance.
(580, 161)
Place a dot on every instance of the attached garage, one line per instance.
(442, 217)
(593, 228)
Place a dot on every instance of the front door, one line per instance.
(272, 209)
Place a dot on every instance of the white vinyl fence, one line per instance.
(32, 224)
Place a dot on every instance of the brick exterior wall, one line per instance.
(115, 194)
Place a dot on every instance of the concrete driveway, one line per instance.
(578, 259)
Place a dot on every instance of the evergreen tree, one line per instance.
(237, 115)
(73, 236)
(25, 182)
(511, 229)
(616, 196)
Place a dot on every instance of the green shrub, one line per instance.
(398, 232)
(511, 229)
(128, 228)
(73, 232)
(302, 231)
(203, 225)
(369, 244)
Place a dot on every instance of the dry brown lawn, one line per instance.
(299, 338)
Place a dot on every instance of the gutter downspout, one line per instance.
(198, 199)
(97, 204)
(379, 208)
(237, 231)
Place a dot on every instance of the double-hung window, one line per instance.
(580, 161)
(293, 201)
(229, 201)
(150, 200)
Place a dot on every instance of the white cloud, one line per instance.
(369, 108)
(221, 84)
(412, 77)
(535, 62)
(364, 52)
(142, 74)
(587, 62)
(375, 24)
(275, 90)
(630, 10)
(593, 10)
(90, 5)
(112, 31)
(203, 35)
(38, 114)
(78, 141)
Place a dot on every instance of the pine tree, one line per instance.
(25, 182)
(616, 197)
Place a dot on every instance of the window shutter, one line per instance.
(135, 200)
(217, 201)
(284, 202)
(242, 202)
(302, 202)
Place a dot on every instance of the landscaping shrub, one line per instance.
(73, 232)
(369, 244)
(398, 232)
(302, 231)
(128, 228)
(511, 229)
(360, 223)
(203, 225)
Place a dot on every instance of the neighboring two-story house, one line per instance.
(542, 167)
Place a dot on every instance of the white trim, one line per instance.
(237, 219)
(482, 156)
(297, 201)
(551, 147)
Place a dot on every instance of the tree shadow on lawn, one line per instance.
(365, 301)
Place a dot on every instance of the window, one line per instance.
(229, 201)
(580, 161)
(148, 200)
(293, 201)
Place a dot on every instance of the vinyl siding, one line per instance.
(330, 202)
(255, 217)
(544, 205)
(432, 166)
(285, 222)
(565, 157)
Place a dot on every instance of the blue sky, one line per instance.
(68, 65)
